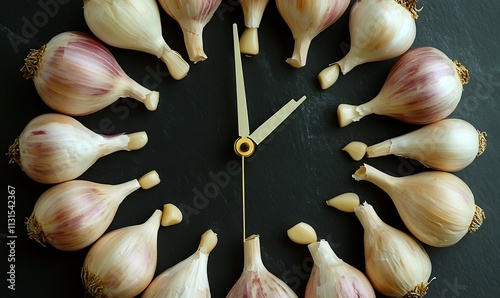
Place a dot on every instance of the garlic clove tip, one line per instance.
(302, 233)
(149, 180)
(347, 114)
(208, 241)
(356, 150)
(328, 76)
(346, 202)
(151, 101)
(172, 215)
(137, 140)
(249, 42)
(177, 66)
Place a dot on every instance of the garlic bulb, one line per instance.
(54, 148)
(133, 25)
(447, 145)
(122, 263)
(187, 278)
(256, 280)
(423, 86)
(396, 264)
(192, 16)
(306, 19)
(379, 30)
(437, 207)
(253, 10)
(332, 277)
(73, 214)
(75, 74)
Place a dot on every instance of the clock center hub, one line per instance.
(244, 147)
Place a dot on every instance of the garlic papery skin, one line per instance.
(379, 30)
(188, 278)
(253, 10)
(332, 277)
(76, 74)
(396, 264)
(122, 263)
(256, 280)
(423, 87)
(73, 214)
(306, 19)
(437, 207)
(447, 145)
(192, 16)
(55, 148)
(133, 25)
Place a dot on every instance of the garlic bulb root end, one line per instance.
(482, 142)
(420, 290)
(346, 202)
(92, 284)
(35, 231)
(137, 140)
(356, 150)
(13, 152)
(328, 76)
(302, 233)
(462, 71)
(208, 241)
(177, 66)
(171, 215)
(411, 6)
(477, 220)
(149, 180)
(249, 42)
(152, 100)
(32, 62)
(347, 114)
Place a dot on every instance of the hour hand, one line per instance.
(274, 121)
(241, 100)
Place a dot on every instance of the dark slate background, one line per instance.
(300, 166)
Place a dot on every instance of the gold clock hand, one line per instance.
(275, 120)
(241, 100)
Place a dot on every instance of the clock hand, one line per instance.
(241, 100)
(274, 121)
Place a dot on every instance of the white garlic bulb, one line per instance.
(447, 145)
(187, 278)
(307, 19)
(133, 25)
(54, 148)
(76, 74)
(437, 207)
(396, 264)
(332, 277)
(192, 16)
(73, 214)
(122, 263)
(256, 280)
(253, 10)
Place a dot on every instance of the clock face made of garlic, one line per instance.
(292, 172)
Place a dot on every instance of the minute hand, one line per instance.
(274, 121)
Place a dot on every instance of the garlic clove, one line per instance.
(187, 278)
(86, 79)
(137, 140)
(447, 145)
(253, 10)
(328, 76)
(437, 207)
(256, 280)
(53, 148)
(356, 150)
(396, 264)
(122, 263)
(122, 24)
(346, 202)
(149, 180)
(411, 92)
(306, 19)
(172, 215)
(192, 16)
(332, 277)
(302, 233)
